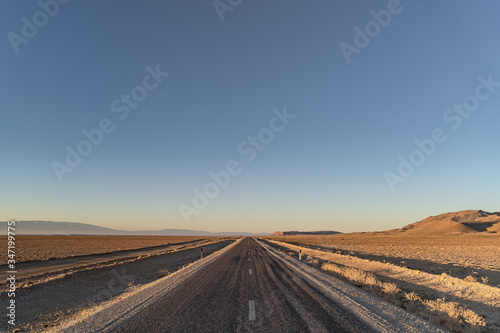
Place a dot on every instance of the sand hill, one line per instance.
(466, 221)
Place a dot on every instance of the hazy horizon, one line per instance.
(283, 115)
(304, 229)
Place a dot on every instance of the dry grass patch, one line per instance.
(449, 315)
(361, 278)
(313, 262)
(475, 251)
(163, 273)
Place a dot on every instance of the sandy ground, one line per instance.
(482, 298)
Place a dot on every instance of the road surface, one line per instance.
(245, 290)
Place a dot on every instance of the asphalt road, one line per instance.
(245, 290)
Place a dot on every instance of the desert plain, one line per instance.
(445, 269)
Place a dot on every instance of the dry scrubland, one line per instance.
(473, 251)
(451, 280)
(31, 248)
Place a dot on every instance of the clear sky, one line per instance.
(350, 103)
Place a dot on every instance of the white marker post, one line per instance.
(300, 254)
(201, 250)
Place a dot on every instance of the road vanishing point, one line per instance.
(251, 287)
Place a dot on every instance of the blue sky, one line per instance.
(325, 170)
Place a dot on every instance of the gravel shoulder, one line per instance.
(480, 298)
(376, 313)
(109, 316)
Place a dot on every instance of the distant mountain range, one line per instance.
(74, 228)
(462, 222)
